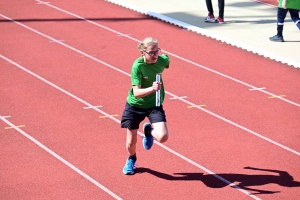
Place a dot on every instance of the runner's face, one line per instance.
(151, 54)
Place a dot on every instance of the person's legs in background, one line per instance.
(221, 4)
(281, 14)
(295, 17)
(210, 17)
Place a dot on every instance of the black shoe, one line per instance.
(277, 38)
(148, 138)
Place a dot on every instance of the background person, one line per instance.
(285, 6)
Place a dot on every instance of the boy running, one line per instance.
(141, 101)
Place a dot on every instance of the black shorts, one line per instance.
(133, 116)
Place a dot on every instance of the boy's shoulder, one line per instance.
(164, 60)
(138, 62)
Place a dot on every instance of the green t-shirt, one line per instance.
(144, 74)
(292, 4)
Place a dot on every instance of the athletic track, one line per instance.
(233, 116)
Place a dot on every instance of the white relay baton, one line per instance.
(157, 99)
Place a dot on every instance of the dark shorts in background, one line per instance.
(133, 116)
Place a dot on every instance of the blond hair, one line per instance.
(146, 42)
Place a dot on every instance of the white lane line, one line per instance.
(178, 97)
(173, 95)
(56, 41)
(123, 35)
(263, 88)
(181, 58)
(60, 158)
(88, 107)
(141, 134)
(40, 2)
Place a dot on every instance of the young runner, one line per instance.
(141, 102)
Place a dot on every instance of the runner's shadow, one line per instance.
(243, 181)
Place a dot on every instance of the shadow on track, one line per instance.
(243, 181)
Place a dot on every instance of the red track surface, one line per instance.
(224, 137)
(270, 2)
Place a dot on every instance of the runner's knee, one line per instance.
(162, 138)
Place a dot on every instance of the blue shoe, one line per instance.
(147, 141)
(129, 167)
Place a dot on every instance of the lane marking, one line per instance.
(105, 116)
(123, 35)
(178, 97)
(196, 106)
(82, 56)
(41, 2)
(255, 88)
(272, 97)
(56, 41)
(61, 159)
(88, 107)
(10, 127)
(118, 121)
(190, 27)
(7, 116)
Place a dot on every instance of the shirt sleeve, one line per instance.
(136, 74)
(166, 60)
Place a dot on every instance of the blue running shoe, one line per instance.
(147, 140)
(129, 167)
